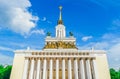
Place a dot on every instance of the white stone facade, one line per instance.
(62, 64)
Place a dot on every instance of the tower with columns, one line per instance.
(60, 59)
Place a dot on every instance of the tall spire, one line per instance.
(60, 17)
(60, 7)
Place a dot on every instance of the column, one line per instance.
(76, 69)
(51, 69)
(63, 69)
(82, 69)
(57, 69)
(25, 71)
(59, 33)
(95, 69)
(44, 69)
(69, 69)
(38, 69)
(88, 69)
(32, 69)
(56, 33)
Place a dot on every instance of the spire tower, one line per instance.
(60, 28)
(60, 17)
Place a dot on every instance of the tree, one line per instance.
(1, 72)
(114, 74)
(5, 72)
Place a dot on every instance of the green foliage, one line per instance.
(5, 72)
(114, 74)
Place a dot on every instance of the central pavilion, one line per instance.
(60, 59)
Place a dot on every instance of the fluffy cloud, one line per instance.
(111, 43)
(5, 60)
(41, 32)
(114, 55)
(115, 25)
(86, 38)
(106, 3)
(95, 45)
(5, 48)
(15, 16)
(43, 19)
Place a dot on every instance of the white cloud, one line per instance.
(15, 16)
(49, 22)
(108, 36)
(110, 43)
(115, 25)
(106, 3)
(6, 48)
(5, 60)
(96, 45)
(85, 38)
(41, 32)
(114, 56)
(44, 19)
(116, 22)
(101, 45)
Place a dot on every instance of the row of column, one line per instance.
(85, 70)
(60, 33)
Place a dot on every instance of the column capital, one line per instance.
(37, 58)
(26, 57)
(93, 58)
(82, 58)
(75, 58)
(87, 58)
(31, 58)
(44, 58)
(51, 59)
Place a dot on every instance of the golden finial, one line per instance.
(60, 7)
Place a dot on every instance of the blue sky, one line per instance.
(95, 23)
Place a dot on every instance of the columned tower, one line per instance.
(60, 28)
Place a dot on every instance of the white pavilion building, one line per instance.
(60, 59)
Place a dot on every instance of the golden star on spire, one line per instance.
(60, 17)
(60, 7)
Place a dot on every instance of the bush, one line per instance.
(5, 72)
(114, 74)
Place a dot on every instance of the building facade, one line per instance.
(60, 59)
